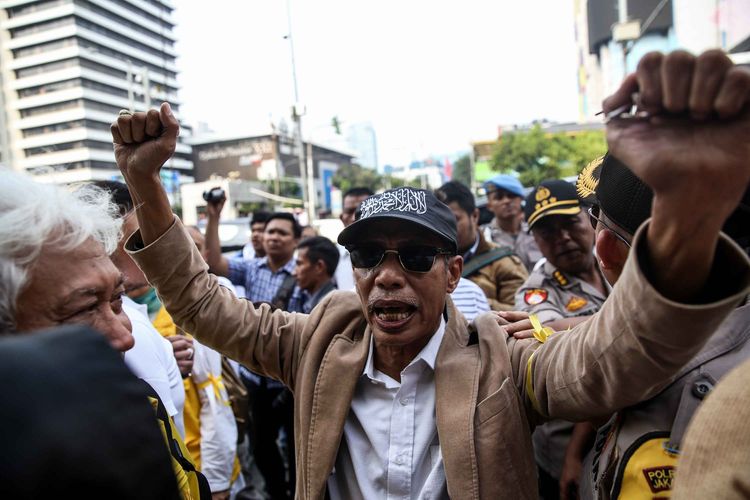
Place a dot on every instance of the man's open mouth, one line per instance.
(391, 314)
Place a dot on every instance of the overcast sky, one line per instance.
(430, 75)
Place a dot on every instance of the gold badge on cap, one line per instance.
(542, 193)
(587, 183)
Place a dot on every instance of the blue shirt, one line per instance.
(261, 284)
(304, 302)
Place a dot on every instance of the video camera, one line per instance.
(214, 195)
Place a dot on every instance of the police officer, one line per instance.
(568, 285)
(635, 454)
(508, 229)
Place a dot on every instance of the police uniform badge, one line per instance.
(560, 277)
(535, 296)
(575, 303)
(647, 470)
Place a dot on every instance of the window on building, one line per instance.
(51, 108)
(32, 29)
(43, 47)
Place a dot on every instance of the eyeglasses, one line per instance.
(415, 258)
(594, 218)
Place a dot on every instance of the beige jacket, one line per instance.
(490, 390)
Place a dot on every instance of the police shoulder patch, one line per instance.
(659, 479)
(534, 296)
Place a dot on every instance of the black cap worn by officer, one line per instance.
(610, 187)
(551, 197)
(416, 206)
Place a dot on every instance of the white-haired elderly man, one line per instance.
(54, 254)
(397, 398)
(55, 269)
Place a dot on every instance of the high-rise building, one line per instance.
(361, 139)
(67, 67)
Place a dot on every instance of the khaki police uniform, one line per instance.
(551, 294)
(499, 278)
(637, 452)
(523, 243)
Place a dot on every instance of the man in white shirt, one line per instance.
(470, 299)
(152, 359)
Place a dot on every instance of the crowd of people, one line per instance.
(567, 349)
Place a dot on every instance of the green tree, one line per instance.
(584, 147)
(349, 176)
(537, 155)
(287, 187)
(462, 170)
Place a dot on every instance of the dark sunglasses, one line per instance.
(415, 258)
(594, 219)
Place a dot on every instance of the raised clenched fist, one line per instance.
(143, 142)
(693, 145)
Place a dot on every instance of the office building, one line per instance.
(67, 67)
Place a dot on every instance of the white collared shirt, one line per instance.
(344, 274)
(471, 251)
(390, 447)
(152, 360)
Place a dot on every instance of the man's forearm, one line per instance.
(217, 263)
(152, 206)
(681, 250)
(581, 441)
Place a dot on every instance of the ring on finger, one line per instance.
(125, 112)
(191, 352)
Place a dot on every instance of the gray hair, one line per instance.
(33, 215)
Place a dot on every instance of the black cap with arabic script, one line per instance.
(416, 206)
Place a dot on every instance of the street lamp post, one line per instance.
(298, 145)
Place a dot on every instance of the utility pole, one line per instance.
(275, 142)
(297, 118)
(472, 174)
(310, 176)
(297, 112)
